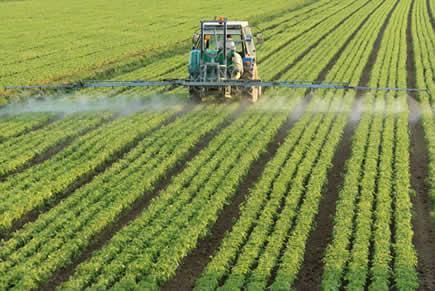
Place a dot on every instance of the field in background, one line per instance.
(59, 40)
(140, 189)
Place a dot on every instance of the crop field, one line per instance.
(142, 189)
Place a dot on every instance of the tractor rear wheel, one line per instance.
(195, 95)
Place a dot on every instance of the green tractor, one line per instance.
(223, 50)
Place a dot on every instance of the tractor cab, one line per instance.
(223, 50)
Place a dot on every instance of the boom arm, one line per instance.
(224, 83)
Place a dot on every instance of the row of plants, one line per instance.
(424, 59)
(61, 234)
(17, 124)
(19, 151)
(38, 186)
(404, 254)
(149, 250)
(358, 266)
(405, 257)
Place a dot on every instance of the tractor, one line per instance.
(224, 50)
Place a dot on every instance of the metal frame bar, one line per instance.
(223, 83)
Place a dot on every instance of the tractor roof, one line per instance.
(229, 23)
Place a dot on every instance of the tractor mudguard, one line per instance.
(194, 62)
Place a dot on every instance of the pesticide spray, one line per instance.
(83, 103)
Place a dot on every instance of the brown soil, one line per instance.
(127, 216)
(429, 11)
(424, 232)
(193, 264)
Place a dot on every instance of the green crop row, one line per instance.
(15, 125)
(357, 268)
(18, 151)
(405, 257)
(38, 185)
(62, 233)
(381, 260)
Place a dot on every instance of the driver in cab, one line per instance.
(235, 61)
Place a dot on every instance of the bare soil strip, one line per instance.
(193, 264)
(424, 233)
(429, 11)
(87, 178)
(51, 151)
(137, 208)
